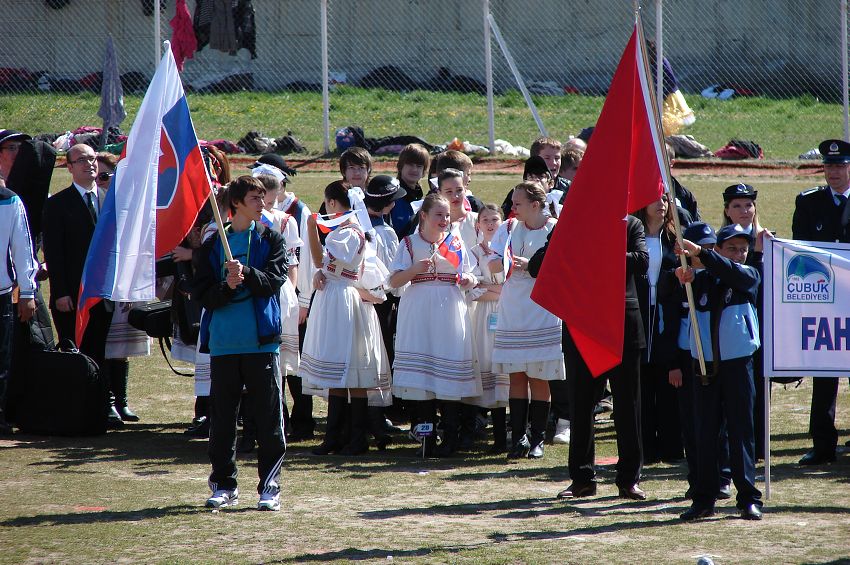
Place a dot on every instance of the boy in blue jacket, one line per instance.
(241, 330)
(725, 296)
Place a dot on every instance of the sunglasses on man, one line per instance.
(104, 176)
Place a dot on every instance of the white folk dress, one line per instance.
(528, 337)
(343, 346)
(495, 387)
(434, 355)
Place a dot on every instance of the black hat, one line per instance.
(274, 160)
(700, 233)
(536, 165)
(733, 230)
(739, 190)
(9, 134)
(382, 190)
(835, 151)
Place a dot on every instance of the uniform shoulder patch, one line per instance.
(811, 191)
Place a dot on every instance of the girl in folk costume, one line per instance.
(528, 338)
(464, 221)
(434, 357)
(495, 387)
(343, 351)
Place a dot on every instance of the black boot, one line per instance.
(519, 412)
(334, 428)
(119, 373)
(5, 427)
(468, 421)
(377, 427)
(113, 418)
(358, 441)
(451, 428)
(200, 426)
(500, 431)
(539, 416)
(427, 414)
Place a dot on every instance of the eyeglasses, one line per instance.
(11, 147)
(104, 176)
(89, 160)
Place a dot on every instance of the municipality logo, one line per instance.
(808, 278)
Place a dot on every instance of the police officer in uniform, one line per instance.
(822, 214)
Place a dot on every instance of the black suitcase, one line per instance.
(64, 395)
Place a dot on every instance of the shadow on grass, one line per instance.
(354, 554)
(155, 444)
(101, 517)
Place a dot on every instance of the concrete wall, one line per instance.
(773, 46)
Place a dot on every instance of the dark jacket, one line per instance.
(68, 229)
(402, 213)
(264, 276)
(818, 218)
(725, 296)
(637, 261)
(661, 321)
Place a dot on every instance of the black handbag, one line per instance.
(153, 318)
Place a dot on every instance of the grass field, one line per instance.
(136, 495)
(783, 128)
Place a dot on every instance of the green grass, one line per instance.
(135, 495)
(784, 128)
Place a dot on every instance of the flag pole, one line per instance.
(220, 225)
(665, 177)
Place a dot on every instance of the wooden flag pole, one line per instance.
(665, 177)
(220, 225)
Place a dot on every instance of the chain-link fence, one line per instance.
(763, 48)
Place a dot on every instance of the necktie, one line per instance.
(92, 209)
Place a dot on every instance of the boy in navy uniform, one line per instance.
(243, 293)
(822, 214)
(725, 295)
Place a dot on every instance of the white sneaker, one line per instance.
(562, 432)
(269, 502)
(223, 498)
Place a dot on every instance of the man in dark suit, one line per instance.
(69, 220)
(586, 390)
(822, 214)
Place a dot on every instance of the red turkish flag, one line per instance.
(582, 280)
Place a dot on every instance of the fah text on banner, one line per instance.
(807, 309)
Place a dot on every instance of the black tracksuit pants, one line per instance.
(260, 374)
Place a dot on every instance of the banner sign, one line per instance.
(806, 309)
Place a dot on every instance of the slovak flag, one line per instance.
(329, 222)
(451, 249)
(158, 188)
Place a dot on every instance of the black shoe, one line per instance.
(498, 447)
(725, 492)
(817, 458)
(633, 492)
(751, 512)
(520, 449)
(113, 419)
(356, 446)
(300, 435)
(697, 513)
(126, 414)
(200, 427)
(578, 490)
(536, 451)
(689, 494)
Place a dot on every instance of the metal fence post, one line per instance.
(325, 97)
(488, 77)
(845, 95)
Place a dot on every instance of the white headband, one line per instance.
(263, 169)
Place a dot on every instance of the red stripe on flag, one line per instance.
(582, 280)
